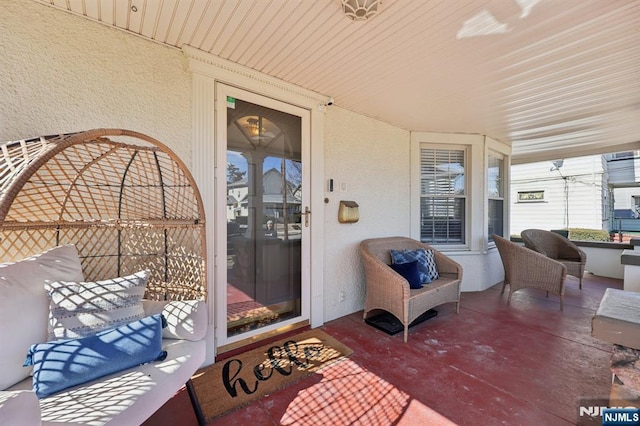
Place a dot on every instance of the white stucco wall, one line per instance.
(369, 163)
(479, 270)
(60, 73)
(604, 262)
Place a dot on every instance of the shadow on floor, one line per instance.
(526, 363)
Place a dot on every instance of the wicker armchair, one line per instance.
(525, 268)
(557, 248)
(387, 290)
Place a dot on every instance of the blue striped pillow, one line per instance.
(431, 265)
(60, 364)
(419, 255)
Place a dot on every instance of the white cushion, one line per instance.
(186, 319)
(24, 305)
(19, 408)
(80, 309)
(128, 397)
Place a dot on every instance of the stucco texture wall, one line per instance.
(61, 74)
(369, 163)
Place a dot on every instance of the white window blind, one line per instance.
(442, 195)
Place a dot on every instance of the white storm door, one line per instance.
(262, 218)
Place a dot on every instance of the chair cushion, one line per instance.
(24, 305)
(19, 408)
(64, 363)
(79, 309)
(186, 319)
(419, 255)
(409, 271)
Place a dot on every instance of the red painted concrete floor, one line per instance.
(527, 363)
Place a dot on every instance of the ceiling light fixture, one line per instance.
(360, 10)
(253, 125)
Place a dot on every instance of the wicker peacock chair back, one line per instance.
(124, 199)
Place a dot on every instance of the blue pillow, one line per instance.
(419, 255)
(409, 272)
(61, 364)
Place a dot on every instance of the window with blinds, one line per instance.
(495, 191)
(442, 195)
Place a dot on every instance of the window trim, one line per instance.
(531, 201)
(476, 185)
(466, 157)
(503, 187)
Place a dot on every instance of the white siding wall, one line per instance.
(624, 197)
(585, 192)
(624, 170)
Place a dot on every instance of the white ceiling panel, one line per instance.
(551, 77)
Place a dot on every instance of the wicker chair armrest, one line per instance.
(447, 267)
(583, 255)
(380, 277)
(568, 250)
(534, 266)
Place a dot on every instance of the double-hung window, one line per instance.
(460, 196)
(443, 195)
(495, 192)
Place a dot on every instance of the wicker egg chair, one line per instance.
(124, 199)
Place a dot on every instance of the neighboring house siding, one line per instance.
(586, 190)
(624, 168)
(624, 171)
(624, 198)
(237, 197)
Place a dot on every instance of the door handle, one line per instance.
(306, 215)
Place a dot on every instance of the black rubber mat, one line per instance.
(391, 325)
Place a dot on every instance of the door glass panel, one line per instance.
(264, 220)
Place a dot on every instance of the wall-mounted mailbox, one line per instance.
(348, 212)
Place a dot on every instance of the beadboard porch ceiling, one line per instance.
(553, 78)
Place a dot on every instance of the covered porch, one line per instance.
(497, 82)
(526, 363)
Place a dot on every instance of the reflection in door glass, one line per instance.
(264, 226)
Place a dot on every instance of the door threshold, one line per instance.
(232, 349)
